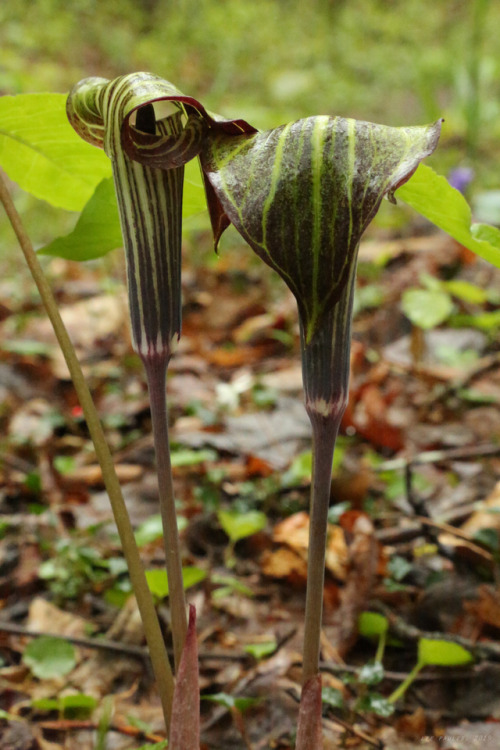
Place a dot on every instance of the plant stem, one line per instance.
(401, 690)
(156, 370)
(325, 372)
(152, 631)
(324, 437)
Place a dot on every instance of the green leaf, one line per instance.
(193, 198)
(466, 291)
(41, 152)
(399, 567)
(442, 653)
(187, 457)
(260, 650)
(49, 657)
(158, 581)
(163, 745)
(372, 624)
(299, 470)
(229, 585)
(432, 196)
(75, 705)
(226, 700)
(150, 530)
(377, 704)
(98, 230)
(46, 704)
(64, 464)
(371, 674)
(301, 467)
(27, 348)
(425, 308)
(78, 702)
(486, 321)
(332, 697)
(488, 537)
(5, 716)
(240, 525)
(476, 397)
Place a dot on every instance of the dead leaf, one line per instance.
(47, 618)
(486, 607)
(284, 563)
(294, 533)
(488, 515)
(91, 476)
(361, 574)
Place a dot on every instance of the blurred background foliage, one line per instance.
(398, 62)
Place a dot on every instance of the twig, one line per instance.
(457, 674)
(487, 556)
(482, 367)
(102, 644)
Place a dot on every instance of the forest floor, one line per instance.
(415, 511)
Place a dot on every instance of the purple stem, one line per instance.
(156, 371)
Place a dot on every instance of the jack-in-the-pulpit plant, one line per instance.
(110, 115)
(150, 208)
(301, 195)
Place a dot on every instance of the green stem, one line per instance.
(324, 436)
(325, 372)
(401, 690)
(156, 370)
(381, 647)
(152, 631)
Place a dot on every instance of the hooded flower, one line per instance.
(119, 116)
(302, 195)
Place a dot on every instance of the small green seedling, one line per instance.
(158, 580)
(229, 585)
(374, 625)
(431, 652)
(435, 653)
(75, 706)
(238, 526)
(260, 650)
